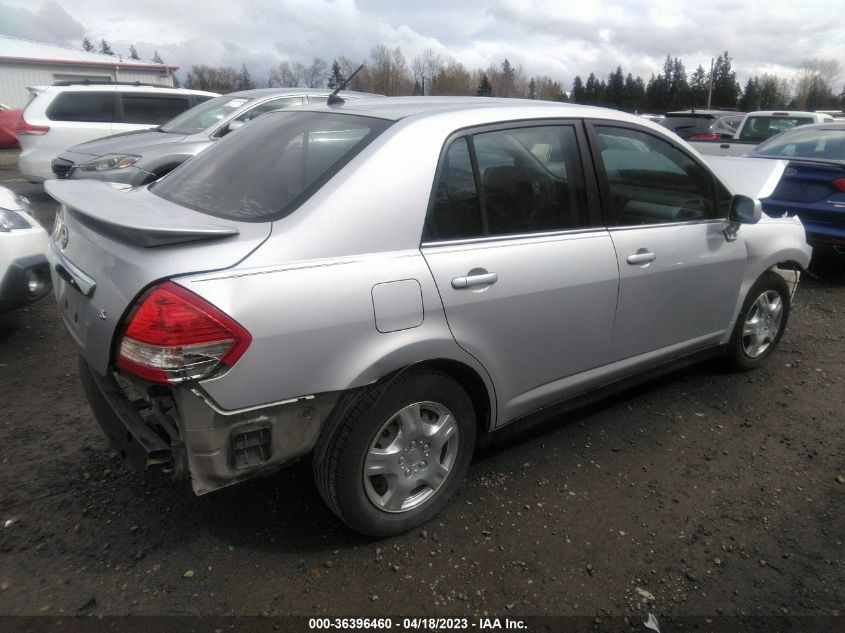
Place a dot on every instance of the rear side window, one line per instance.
(509, 182)
(152, 109)
(92, 107)
(270, 167)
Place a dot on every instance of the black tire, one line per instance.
(339, 468)
(740, 349)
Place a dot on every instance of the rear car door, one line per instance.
(142, 110)
(679, 274)
(524, 266)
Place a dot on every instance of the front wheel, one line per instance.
(399, 454)
(761, 322)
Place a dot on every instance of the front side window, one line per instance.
(509, 182)
(271, 166)
(152, 109)
(204, 115)
(650, 181)
(88, 107)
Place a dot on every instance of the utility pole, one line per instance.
(710, 87)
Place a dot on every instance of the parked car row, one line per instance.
(140, 157)
(66, 114)
(382, 283)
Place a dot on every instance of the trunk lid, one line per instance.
(752, 177)
(110, 242)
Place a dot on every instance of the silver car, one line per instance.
(138, 158)
(381, 285)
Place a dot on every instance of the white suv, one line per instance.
(66, 114)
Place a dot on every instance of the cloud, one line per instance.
(551, 38)
(49, 23)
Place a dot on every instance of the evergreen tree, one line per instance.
(87, 45)
(698, 88)
(578, 93)
(615, 97)
(593, 91)
(485, 89)
(133, 53)
(418, 89)
(335, 75)
(245, 79)
(157, 58)
(634, 94)
(725, 87)
(532, 89)
(750, 96)
(105, 49)
(658, 97)
(507, 81)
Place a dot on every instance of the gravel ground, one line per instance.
(703, 493)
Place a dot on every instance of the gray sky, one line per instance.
(556, 38)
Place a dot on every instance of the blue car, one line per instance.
(813, 184)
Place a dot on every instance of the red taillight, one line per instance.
(839, 183)
(27, 128)
(708, 136)
(172, 335)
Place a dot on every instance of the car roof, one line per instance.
(117, 87)
(786, 113)
(396, 108)
(703, 111)
(272, 92)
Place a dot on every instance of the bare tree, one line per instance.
(287, 75)
(315, 75)
(220, 79)
(453, 79)
(426, 67)
(813, 86)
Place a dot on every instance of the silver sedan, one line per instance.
(382, 284)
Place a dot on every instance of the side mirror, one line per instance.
(231, 126)
(745, 210)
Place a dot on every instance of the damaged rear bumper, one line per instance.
(183, 431)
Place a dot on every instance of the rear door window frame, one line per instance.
(584, 164)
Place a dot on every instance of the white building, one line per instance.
(26, 63)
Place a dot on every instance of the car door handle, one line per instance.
(483, 279)
(641, 257)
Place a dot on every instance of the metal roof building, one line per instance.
(26, 63)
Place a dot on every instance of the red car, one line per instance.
(8, 122)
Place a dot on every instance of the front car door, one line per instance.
(524, 266)
(679, 274)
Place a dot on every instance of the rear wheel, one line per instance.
(399, 454)
(761, 322)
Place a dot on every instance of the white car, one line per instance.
(764, 124)
(65, 114)
(24, 271)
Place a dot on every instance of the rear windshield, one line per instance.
(204, 115)
(265, 170)
(677, 122)
(812, 143)
(760, 128)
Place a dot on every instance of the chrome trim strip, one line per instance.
(213, 405)
(514, 236)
